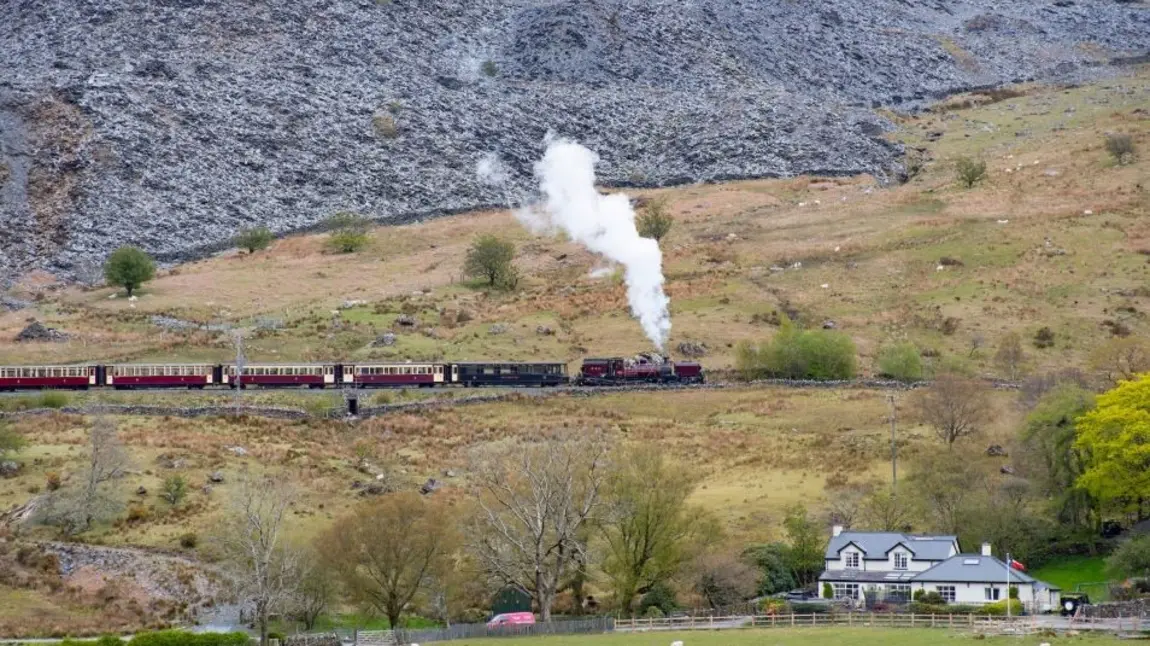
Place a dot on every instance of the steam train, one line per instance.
(131, 376)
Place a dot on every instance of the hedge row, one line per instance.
(167, 638)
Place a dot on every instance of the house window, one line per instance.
(947, 593)
(851, 560)
(901, 561)
(992, 594)
(898, 592)
(846, 590)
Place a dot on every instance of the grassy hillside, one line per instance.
(1057, 236)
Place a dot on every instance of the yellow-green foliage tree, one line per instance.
(1116, 437)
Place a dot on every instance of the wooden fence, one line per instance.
(878, 620)
(592, 625)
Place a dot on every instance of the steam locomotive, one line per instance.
(645, 368)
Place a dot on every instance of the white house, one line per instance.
(891, 566)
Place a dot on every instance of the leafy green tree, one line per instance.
(773, 561)
(489, 258)
(900, 361)
(1115, 436)
(10, 441)
(970, 171)
(656, 220)
(1049, 436)
(347, 232)
(1131, 559)
(254, 239)
(806, 546)
(648, 529)
(129, 267)
(1010, 357)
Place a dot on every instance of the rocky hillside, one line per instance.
(171, 123)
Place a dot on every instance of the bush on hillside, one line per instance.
(254, 239)
(799, 354)
(489, 259)
(655, 222)
(1120, 147)
(53, 399)
(970, 171)
(900, 361)
(1044, 338)
(998, 608)
(348, 232)
(660, 596)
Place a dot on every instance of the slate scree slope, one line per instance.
(170, 124)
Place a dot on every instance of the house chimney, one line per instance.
(986, 551)
(836, 530)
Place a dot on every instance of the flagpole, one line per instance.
(1008, 585)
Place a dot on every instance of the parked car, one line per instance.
(1071, 602)
(512, 619)
(800, 595)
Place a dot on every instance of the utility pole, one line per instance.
(893, 446)
(240, 363)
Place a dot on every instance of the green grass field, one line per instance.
(1068, 572)
(784, 637)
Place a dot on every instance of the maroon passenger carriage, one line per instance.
(48, 377)
(173, 375)
(395, 375)
(269, 375)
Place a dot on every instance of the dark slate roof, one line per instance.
(973, 568)
(876, 545)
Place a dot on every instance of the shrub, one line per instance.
(175, 490)
(653, 612)
(489, 258)
(53, 399)
(970, 171)
(811, 608)
(998, 608)
(347, 232)
(1120, 147)
(490, 68)
(661, 596)
(10, 441)
(828, 591)
(656, 221)
(129, 267)
(52, 481)
(1044, 338)
(385, 126)
(254, 239)
(189, 541)
(931, 598)
(901, 362)
(799, 354)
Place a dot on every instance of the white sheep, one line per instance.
(681, 644)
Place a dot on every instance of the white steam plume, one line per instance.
(605, 224)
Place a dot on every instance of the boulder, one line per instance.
(543, 330)
(216, 477)
(142, 491)
(406, 320)
(497, 328)
(9, 469)
(430, 486)
(238, 451)
(448, 473)
(829, 325)
(37, 331)
(996, 450)
(384, 340)
(1006, 470)
(13, 304)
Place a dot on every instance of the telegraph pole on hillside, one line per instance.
(893, 446)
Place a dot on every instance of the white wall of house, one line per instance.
(977, 593)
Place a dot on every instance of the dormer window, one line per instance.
(901, 561)
(851, 560)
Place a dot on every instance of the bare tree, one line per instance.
(887, 511)
(389, 551)
(1122, 358)
(317, 589)
(955, 406)
(534, 504)
(1010, 357)
(76, 509)
(265, 570)
(722, 579)
(845, 503)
